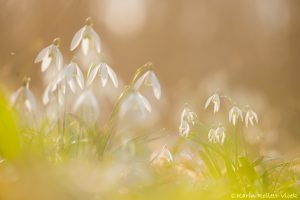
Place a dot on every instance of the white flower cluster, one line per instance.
(71, 79)
(235, 113)
(216, 135)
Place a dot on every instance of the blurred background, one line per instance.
(248, 49)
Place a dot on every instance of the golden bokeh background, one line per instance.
(250, 49)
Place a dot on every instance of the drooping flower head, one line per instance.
(104, 71)
(149, 79)
(184, 128)
(251, 117)
(69, 77)
(135, 101)
(215, 100)
(162, 157)
(234, 114)
(24, 96)
(187, 117)
(72, 75)
(87, 37)
(217, 135)
(86, 106)
(50, 56)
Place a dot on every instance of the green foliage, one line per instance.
(9, 135)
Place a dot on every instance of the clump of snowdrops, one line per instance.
(76, 156)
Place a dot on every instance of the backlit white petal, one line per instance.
(31, 100)
(85, 45)
(72, 85)
(14, 97)
(155, 86)
(96, 39)
(112, 76)
(247, 119)
(144, 101)
(77, 38)
(46, 97)
(87, 106)
(59, 58)
(184, 128)
(208, 102)
(140, 81)
(42, 54)
(92, 74)
(255, 117)
(46, 62)
(230, 114)
(104, 74)
(79, 77)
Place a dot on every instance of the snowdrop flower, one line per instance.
(149, 79)
(184, 128)
(68, 77)
(104, 71)
(187, 117)
(72, 74)
(136, 101)
(55, 88)
(215, 99)
(163, 156)
(234, 114)
(88, 38)
(86, 104)
(251, 117)
(50, 55)
(217, 135)
(24, 95)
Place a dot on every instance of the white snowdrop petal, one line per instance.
(46, 62)
(42, 54)
(104, 73)
(255, 117)
(230, 114)
(184, 128)
(77, 38)
(31, 99)
(14, 97)
(208, 102)
(79, 77)
(140, 81)
(85, 44)
(183, 114)
(247, 119)
(113, 76)
(28, 105)
(93, 100)
(59, 58)
(79, 101)
(92, 74)
(96, 39)
(144, 101)
(155, 86)
(127, 103)
(72, 85)
(46, 97)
